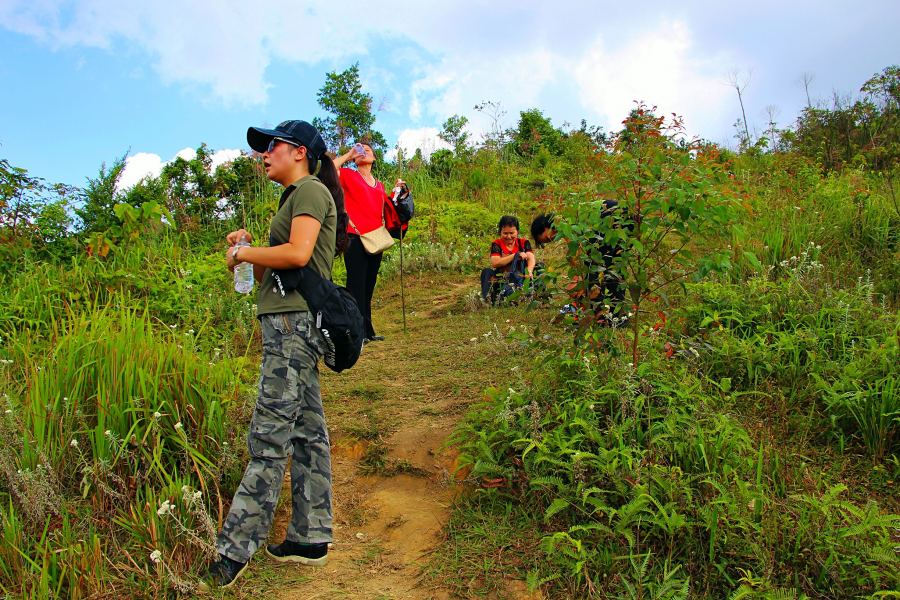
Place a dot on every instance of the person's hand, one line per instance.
(523, 255)
(235, 236)
(352, 154)
(230, 262)
(529, 275)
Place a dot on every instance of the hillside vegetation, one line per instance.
(740, 437)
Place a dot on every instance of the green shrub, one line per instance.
(635, 479)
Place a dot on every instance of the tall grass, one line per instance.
(99, 430)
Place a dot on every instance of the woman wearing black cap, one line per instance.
(309, 229)
(367, 202)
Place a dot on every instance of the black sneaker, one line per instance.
(376, 338)
(311, 555)
(222, 574)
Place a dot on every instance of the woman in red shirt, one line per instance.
(365, 200)
(508, 252)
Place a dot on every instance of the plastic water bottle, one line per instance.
(360, 149)
(243, 273)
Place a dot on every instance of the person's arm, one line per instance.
(258, 272)
(531, 263)
(296, 253)
(340, 160)
(501, 261)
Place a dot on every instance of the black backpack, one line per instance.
(337, 315)
(405, 206)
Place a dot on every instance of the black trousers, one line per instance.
(362, 273)
(490, 285)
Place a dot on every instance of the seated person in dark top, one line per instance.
(512, 261)
(608, 297)
(542, 231)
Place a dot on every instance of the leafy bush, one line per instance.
(637, 481)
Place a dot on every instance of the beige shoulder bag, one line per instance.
(378, 240)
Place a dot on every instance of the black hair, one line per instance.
(540, 224)
(507, 221)
(328, 175)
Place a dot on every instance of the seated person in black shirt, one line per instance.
(606, 299)
(512, 261)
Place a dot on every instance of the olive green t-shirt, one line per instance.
(306, 196)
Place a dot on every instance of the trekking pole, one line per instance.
(402, 294)
(397, 192)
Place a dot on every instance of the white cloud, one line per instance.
(138, 167)
(424, 138)
(223, 156)
(143, 164)
(524, 54)
(656, 68)
(186, 154)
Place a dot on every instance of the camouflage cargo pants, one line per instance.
(288, 422)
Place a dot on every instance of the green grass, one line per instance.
(721, 467)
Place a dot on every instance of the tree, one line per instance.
(494, 111)
(594, 133)
(351, 111)
(33, 214)
(99, 197)
(191, 188)
(804, 80)
(671, 195)
(733, 79)
(771, 113)
(453, 132)
(535, 131)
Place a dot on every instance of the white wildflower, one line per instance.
(185, 489)
(156, 556)
(474, 339)
(74, 443)
(178, 425)
(108, 433)
(164, 509)
(157, 415)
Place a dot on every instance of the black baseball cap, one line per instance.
(300, 131)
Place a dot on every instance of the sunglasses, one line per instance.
(275, 140)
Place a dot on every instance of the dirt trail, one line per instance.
(389, 417)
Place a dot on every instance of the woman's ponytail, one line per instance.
(328, 175)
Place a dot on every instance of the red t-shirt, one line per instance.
(364, 203)
(498, 248)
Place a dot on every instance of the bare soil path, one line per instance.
(389, 418)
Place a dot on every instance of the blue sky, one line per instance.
(84, 81)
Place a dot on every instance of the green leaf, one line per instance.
(751, 258)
